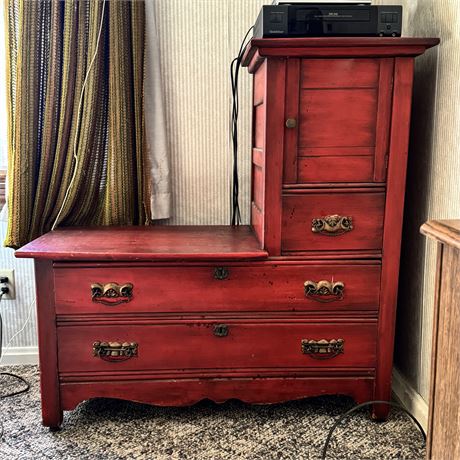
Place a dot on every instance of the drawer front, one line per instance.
(331, 221)
(211, 345)
(255, 287)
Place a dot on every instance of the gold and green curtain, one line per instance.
(50, 45)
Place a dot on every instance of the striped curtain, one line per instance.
(71, 166)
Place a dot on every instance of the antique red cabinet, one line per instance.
(331, 123)
(300, 303)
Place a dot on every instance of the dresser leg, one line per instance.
(48, 345)
(52, 417)
(380, 412)
(54, 429)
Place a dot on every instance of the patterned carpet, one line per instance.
(106, 429)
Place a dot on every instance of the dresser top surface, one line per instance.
(321, 42)
(444, 231)
(336, 47)
(146, 243)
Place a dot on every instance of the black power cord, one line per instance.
(3, 291)
(359, 406)
(234, 73)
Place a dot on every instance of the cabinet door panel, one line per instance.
(343, 115)
(340, 168)
(337, 117)
(340, 73)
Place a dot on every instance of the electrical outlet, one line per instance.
(9, 273)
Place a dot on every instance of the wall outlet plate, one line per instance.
(9, 273)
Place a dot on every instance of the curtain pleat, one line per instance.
(51, 45)
(49, 113)
(67, 107)
(119, 194)
(83, 192)
(157, 168)
(138, 40)
(22, 160)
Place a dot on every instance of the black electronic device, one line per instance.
(328, 19)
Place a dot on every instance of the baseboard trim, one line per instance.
(410, 399)
(20, 355)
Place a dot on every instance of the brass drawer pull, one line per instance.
(220, 330)
(333, 225)
(111, 293)
(115, 351)
(324, 291)
(221, 273)
(291, 123)
(323, 349)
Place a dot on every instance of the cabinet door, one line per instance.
(337, 120)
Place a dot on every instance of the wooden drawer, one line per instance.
(261, 344)
(258, 286)
(310, 222)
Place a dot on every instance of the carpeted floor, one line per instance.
(107, 429)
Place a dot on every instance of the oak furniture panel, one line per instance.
(444, 422)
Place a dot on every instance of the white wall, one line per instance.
(198, 40)
(16, 312)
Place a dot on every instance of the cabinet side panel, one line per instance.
(258, 153)
(394, 208)
(274, 147)
(383, 118)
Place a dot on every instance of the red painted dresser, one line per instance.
(300, 303)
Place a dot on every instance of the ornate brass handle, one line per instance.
(333, 225)
(323, 349)
(221, 273)
(111, 293)
(115, 351)
(220, 330)
(324, 291)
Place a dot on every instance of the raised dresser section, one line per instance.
(300, 303)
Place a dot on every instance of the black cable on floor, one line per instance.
(18, 392)
(9, 374)
(359, 406)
